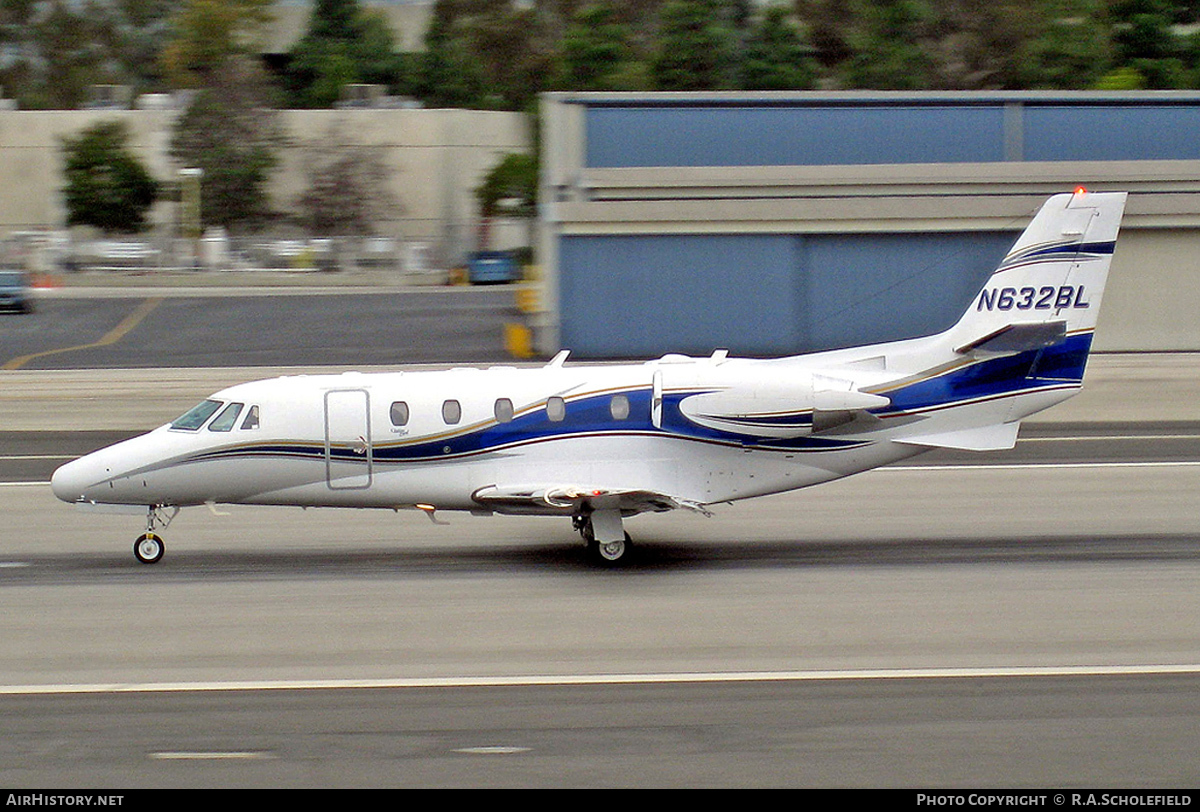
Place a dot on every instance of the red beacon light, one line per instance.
(1081, 190)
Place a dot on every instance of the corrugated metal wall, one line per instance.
(898, 133)
(786, 223)
(766, 294)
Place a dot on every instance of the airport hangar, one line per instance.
(782, 223)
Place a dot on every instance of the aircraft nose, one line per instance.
(70, 482)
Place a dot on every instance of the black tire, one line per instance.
(149, 548)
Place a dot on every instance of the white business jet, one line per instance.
(599, 443)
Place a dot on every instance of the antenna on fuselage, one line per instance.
(558, 360)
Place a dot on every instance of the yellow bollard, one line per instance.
(528, 298)
(518, 340)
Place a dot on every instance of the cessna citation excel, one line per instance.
(599, 443)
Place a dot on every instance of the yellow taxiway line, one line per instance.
(111, 337)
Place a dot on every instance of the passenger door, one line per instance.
(348, 454)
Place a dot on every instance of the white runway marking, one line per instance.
(1026, 466)
(214, 756)
(609, 679)
(1105, 437)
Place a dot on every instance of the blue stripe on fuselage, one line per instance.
(590, 416)
(994, 377)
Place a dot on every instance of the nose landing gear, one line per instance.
(149, 547)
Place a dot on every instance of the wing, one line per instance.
(569, 500)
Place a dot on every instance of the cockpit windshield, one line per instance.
(226, 419)
(196, 416)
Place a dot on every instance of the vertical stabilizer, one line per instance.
(1023, 343)
(1051, 283)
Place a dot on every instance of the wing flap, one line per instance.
(573, 499)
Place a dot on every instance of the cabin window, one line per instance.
(197, 415)
(556, 409)
(399, 413)
(619, 407)
(226, 420)
(451, 412)
(251, 421)
(504, 410)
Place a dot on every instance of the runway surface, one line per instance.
(1037, 732)
(1023, 619)
(1045, 614)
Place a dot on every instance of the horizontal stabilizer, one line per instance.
(1019, 338)
(984, 438)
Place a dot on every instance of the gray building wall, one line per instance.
(432, 159)
(785, 223)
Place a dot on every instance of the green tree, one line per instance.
(206, 34)
(231, 133)
(694, 48)
(776, 55)
(344, 44)
(230, 129)
(55, 50)
(515, 50)
(829, 29)
(489, 54)
(890, 47)
(107, 187)
(1125, 78)
(451, 75)
(510, 187)
(596, 50)
(1070, 51)
(1144, 40)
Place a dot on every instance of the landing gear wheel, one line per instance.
(610, 553)
(148, 548)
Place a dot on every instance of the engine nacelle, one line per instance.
(775, 407)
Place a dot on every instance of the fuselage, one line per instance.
(704, 430)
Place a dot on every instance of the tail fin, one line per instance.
(1023, 343)
(1050, 285)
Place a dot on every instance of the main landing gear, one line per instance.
(606, 539)
(149, 547)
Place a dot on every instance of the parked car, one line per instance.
(15, 293)
(484, 267)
